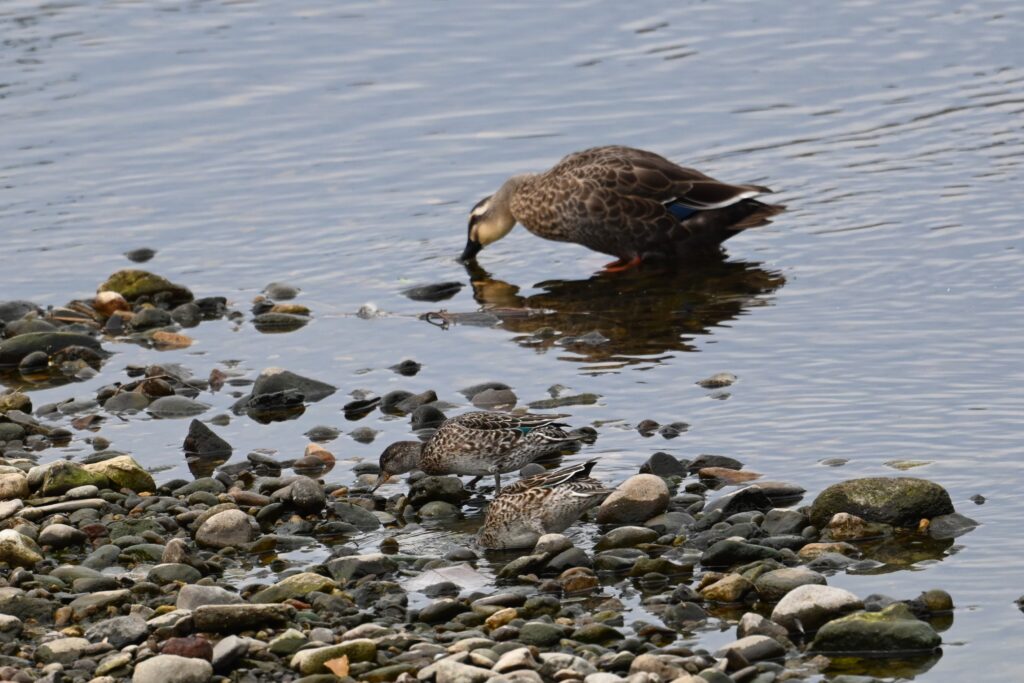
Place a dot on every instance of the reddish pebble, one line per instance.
(191, 646)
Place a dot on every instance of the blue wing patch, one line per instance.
(679, 211)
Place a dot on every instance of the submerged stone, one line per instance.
(894, 629)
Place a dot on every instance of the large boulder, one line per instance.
(894, 629)
(124, 473)
(133, 284)
(900, 501)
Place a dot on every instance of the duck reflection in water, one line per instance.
(630, 317)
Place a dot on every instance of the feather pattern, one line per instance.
(632, 203)
(486, 443)
(542, 504)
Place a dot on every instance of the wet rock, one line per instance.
(663, 465)
(806, 608)
(730, 552)
(203, 441)
(15, 310)
(61, 651)
(282, 291)
(495, 399)
(18, 550)
(702, 461)
(35, 362)
(894, 629)
(140, 255)
(753, 648)
(149, 317)
(307, 495)
(412, 402)
(134, 284)
(275, 380)
(540, 634)
(753, 623)
(13, 350)
(192, 597)
(119, 631)
(900, 501)
(226, 529)
(61, 536)
(448, 489)
(846, 527)
(730, 588)
(948, 526)
(13, 485)
(748, 499)
(596, 633)
(718, 380)
(228, 652)
(238, 618)
(188, 646)
(772, 586)
(126, 401)
(586, 399)
(356, 515)
(435, 292)
(441, 611)
(323, 433)
(294, 586)
(312, 660)
(724, 475)
(63, 475)
(636, 500)
(170, 407)
(783, 522)
(170, 572)
(358, 566)
(426, 417)
(626, 537)
(276, 322)
(813, 551)
(407, 368)
(172, 669)
(123, 473)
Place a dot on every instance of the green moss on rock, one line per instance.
(900, 501)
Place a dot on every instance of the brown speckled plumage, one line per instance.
(626, 202)
(542, 504)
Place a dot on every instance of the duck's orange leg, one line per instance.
(623, 265)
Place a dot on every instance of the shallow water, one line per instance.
(339, 147)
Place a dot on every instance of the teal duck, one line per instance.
(546, 503)
(629, 203)
(479, 444)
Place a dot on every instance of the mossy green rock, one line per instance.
(312, 661)
(124, 473)
(132, 284)
(295, 586)
(14, 349)
(900, 501)
(598, 634)
(64, 475)
(894, 629)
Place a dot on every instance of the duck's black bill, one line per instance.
(471, 250)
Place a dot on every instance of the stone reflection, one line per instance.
(626, 317)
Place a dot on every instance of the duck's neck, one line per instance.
(502, 201)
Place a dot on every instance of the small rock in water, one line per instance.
(368, 311)
(279, 322)
(274, 380)
(663, 465)
(140, 255)
(495, 399)
(426, 417)
(364, 434)
(471, 391)
(592, 338)
(201, 440)
(718, 380)
(281, 290)
(323, 433)
(176, 407)
(435, 292)
(407, 368)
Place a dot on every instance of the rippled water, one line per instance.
(340, 146)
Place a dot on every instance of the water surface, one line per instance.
(340, 146)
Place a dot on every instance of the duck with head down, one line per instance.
(629, 203)
(479, 444)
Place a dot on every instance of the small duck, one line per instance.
(546, 503)
(479, 444)
(629, 203)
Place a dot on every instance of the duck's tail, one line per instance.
(701, 234)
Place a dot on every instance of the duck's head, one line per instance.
(491, 218)
(398, 458)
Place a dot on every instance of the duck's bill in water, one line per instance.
(472, 249)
